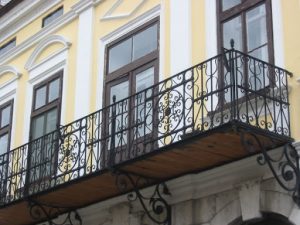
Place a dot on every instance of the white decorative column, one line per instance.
(180, 35)
(84, 58)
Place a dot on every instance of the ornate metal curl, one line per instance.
(287, 173)
(156, 207)
(47, 212)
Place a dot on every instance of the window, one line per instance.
(44, 120)
(131, 69)
(5, 126)
(249, 24)
(6, 47)
(52, 16)
(5, 132)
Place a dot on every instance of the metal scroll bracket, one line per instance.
(155, 206)
(49, 213)
(284, 166)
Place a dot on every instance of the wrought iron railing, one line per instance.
(231, 86)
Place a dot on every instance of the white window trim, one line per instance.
(8, 92)
(42, 71)
(114, 35)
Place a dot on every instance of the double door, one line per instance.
(131, 100)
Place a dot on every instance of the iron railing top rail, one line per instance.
(197, 99)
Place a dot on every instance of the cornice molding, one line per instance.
(42, 45)
(51, 28)
(22, 15)
(9, 69)
(109, 14)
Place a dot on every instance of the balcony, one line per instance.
(195, 120)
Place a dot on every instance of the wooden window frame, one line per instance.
(7, 129)
(56, 103)
(241, 9)
(128, 71)
(51, 14)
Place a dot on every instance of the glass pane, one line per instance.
(145, 42)
(3, 144)
(53, 90)
(121, 91)
(53, 16)
(40, 97)
(5, 48)
(257, 32)
(232, 29)
(120, 55)
(38, 125)
(144, 112)
(51, 121)
(227, 4)
(5, 116)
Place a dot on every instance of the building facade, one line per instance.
(129, 112)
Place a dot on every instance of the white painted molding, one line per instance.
(48, 30)
(23, 14)
(298, 80)
(9, 69)
(249, 194)
(43, 45)
(83, 5)
(109, 14)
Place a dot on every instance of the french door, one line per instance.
(132, 100)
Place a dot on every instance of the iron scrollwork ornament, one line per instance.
(156, 207)
(49, 213)
(284, 167)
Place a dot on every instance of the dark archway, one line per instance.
(267, 219)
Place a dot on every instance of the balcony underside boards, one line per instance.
(196, 153)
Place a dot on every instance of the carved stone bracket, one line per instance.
(49, 213)
(155, 206)
(284, 167)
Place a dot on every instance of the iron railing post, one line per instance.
(113, 133)
(232, 80)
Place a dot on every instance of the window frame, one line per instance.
(8, 128)
(124, 70)
(51, 14)
(13, 40)
(241, 9)
(127, 73)
(50, 105)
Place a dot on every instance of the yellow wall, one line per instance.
(291, 33)
(290, 11)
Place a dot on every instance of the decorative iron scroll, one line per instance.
(155, 206)
(47, 212)
(284, 167)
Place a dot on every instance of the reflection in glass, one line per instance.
(145, 42)
(143, 112)
(3, 144)
(257, 46)
(232, 29)
(40, 98)
(121, 91)
(5, 116)
(227, 4)
(120, 55)
(53, 90)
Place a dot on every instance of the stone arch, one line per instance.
(42, 45)
(5, 69)
(266, 219)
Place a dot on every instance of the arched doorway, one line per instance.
(267, 219)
